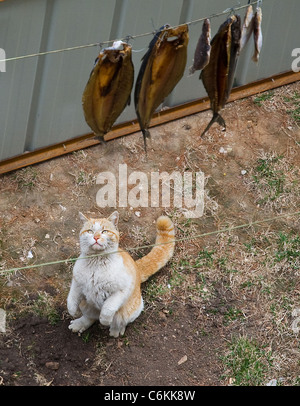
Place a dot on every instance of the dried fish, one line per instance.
(202, 52)
(257, 34)
(217, 75)
(161, 69)
(108, 89)
(234, 53)
(247, 26)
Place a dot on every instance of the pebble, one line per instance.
(182, 360)
(272, 382)
(52, 365)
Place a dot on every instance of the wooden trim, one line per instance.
(164, 116)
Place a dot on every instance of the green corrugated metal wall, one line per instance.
(41, 97)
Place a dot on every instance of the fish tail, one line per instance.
(192, 70)
(220, 120)
(100, 138)
(146, 134)
(215, 118)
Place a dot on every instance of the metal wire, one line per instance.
(128, 37)
(190, 238)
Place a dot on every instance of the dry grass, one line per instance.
(274, 181)
(245, 281)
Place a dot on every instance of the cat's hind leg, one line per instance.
(81, 324)
(117, 327)
(123, 317)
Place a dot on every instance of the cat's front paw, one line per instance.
(106, 317)
(73, 310)
(80, 325)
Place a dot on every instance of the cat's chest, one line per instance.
(99, 281)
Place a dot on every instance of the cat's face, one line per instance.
(99, 235)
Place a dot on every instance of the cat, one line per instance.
(107, 287)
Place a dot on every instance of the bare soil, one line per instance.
(215, 288)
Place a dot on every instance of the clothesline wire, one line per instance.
(128, 37)
(189, 238)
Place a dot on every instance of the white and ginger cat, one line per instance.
(108, 287)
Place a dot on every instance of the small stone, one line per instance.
(182, 360)
(272, 382)
(52, 365)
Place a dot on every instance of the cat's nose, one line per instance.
(96, 238)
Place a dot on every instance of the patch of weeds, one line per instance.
(251, 246)
(205, 258)
(53, 317)
(221, 263)
(86, 337)
(274, 181)
(288, 249)
(176, 279)
(269, 178)
(154, 290)
(233, 314)
(83, 178)
(247, 285)
(296, 381)
(44, 307)
(260, 99)
(295, 101)
(246, 363)
(141, 238)
(27, 177)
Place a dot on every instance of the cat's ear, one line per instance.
(114, 218)
(83, 217)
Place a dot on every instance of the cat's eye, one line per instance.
(90, 231)
(104, 231)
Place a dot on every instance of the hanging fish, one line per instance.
(234, 53)
(257, 34)
(247, 26)
(108, 89)
(161, 69)
(202, 52)
(217, 75)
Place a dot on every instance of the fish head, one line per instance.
(206, 30)
(258, 14)
(236, 31)
(178, 37)
(115, 54)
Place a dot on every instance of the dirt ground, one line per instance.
(222, 312)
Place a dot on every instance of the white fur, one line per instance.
(100, 287)
(98, 290)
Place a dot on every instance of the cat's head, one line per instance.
(99, 235)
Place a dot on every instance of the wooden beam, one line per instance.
(162, 117)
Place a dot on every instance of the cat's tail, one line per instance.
(162, 252)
